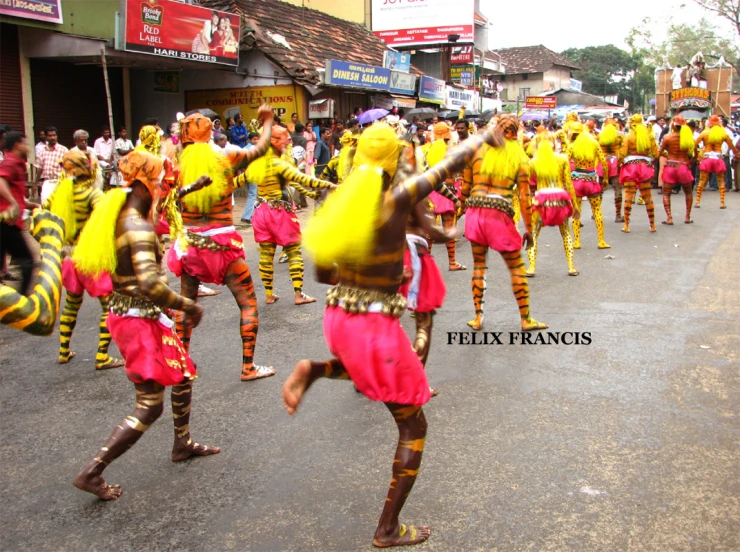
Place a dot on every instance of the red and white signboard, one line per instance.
(182, 31)
(541, 102)
(462, 56)
(418, 22)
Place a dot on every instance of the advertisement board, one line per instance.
(403, 83)
(175, 30)
(284, 100)
(415, 22)
(541, 102)
(321, 109)
(389, 103)
(49, 11)
(462, 55)
(432, 90)
(456, 98)
(690, 97)
(357, 75)
(397, 61)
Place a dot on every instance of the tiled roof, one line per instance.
(532, 59)
(312, 36)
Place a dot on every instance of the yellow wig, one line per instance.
(346, 157)
(437, 152)
(717, 134)
(96, 249)
(344, 230)
(504, 161)
(686, 140)
(199, 159)
(584, 147)
(609, 135)
(546, 164)
(63, 205)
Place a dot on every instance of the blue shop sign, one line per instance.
(357, 75)
(432, 90)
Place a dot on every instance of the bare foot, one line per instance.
(110, 362)
(404, 535)
(573, 272)
(296, 385)
(303, 299)
(65, 359)
(619, 219)
(653, 229)
(433, 392)
(457, 266)
(182, 450)
(577, 245)
(95, 484)
(604, 245)
(257, 372)
(476, 324)
(626, 229)
(272, 299)
(529, 273)
(532, 325)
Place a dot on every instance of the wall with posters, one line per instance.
(428, 22)
(94, 18)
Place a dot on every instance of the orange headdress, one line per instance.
(713, 121)
(195, 129)
(77, 164)
(278, 135)
(144, 167)
(508, 124)
(442, 131)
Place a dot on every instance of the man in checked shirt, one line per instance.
(48, 163)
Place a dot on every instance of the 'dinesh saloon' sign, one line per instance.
(176, 30)
(357, 75)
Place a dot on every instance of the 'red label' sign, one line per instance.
(172, 29)
(541, 102)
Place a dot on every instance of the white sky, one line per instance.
(581, 23)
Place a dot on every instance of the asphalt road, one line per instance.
(627, 444)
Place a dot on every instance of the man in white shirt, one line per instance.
(123, 145)
(42, 143)
(104, 149)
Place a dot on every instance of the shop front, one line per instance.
(352, 85)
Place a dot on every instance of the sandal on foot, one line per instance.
(688, 221)
(433, 392)
(667, 223)
(203, 291)
(65, 360)
(258, 372)
(456, 267)
(110, 362)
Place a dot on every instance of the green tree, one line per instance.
(603, 68)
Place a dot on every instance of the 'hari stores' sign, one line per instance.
(172, 29)
(541, 102)
(690, 97)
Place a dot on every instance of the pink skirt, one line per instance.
(712, 165)
(152, 351)
(276, 226)
(493, 228)
(377, 355)
(636, 172)
(78, 283)
(162, 228)
(432, 289)
(208, 266)
(553, 205)
(586, 188)
(441, 204)
(677, 175)
(611, 161)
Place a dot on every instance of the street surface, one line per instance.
(627, 444)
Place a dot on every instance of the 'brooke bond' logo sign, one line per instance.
(151, 13)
